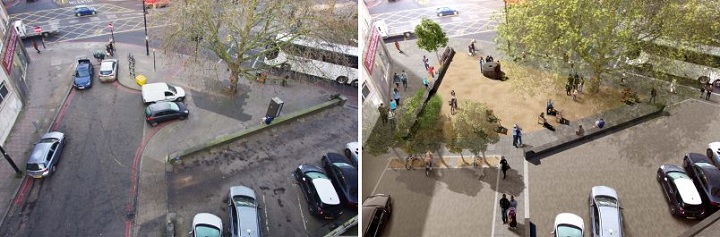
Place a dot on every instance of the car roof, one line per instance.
(326, 191)
(698, 158)
(569, 219)
(247, 216)
(39, 153)
(610, 220)
(336, 158)
(687, 190)
(107, 64)
(367, 215)
(57, 135)
(604, 191)
(377, 200)
(160, 106)
(207, 219)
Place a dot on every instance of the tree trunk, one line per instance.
(233, 82)
(463, 158)
(594, 86)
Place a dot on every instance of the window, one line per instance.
(3, 92)
(365, 91)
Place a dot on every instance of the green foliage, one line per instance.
(430, 35)
(473, 128)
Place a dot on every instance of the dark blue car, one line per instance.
(343, 175)
(83, 74)
(446, 11)
(83, 10)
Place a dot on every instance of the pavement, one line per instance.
(213, 114)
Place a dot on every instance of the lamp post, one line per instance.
(18, 173)
(154, 68)
(147, 45)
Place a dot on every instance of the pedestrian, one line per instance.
(513, 203)
(453, 102)
(397, 45)
(568, 88)
(504, 166)
(580, 131)
(431, 71)
(472, 46)
(393, 106)
(599, 124)
(481, 63)
(515, 135)
(383, 113)
(403, 79)
(653, 94)
(581, 85)
(396, 79)
(512, 216)
(396, 96)
(391, 117)
(426, 62)
(425, 82)
(42, 41)
(708, 91)
(519, 136)
(702, 91)
(35, 45)
(574, 94)
(673, 84)
(504, 205)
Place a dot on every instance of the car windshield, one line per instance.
(677, 175)
(174, 107)
(172, 88)
(708, 165)
(568, 231)
(341, 165)
(244, 201)
(206, 231)
(35, 167)
(315, 175)
(606, 201)
(82, 73)
(48, 140)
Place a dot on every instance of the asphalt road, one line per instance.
(90, 192)
(263, 162)
(626, 161)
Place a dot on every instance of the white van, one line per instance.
(156, 92)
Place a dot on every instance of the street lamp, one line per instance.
(147, 45)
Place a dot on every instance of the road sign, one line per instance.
(110, 25)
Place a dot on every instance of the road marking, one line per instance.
(267, 224)
(497, 184)
(301, 212)
(381, 175)
(61, 114)
(526, 179)
(19, 199)
(256, 61)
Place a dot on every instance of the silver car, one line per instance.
(108, 70)
(44, 157)
(242, 205)
(206, 225)
(605, 216)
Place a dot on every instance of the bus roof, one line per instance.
(319, 44)
(701, 49)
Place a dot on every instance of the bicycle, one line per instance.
(409, 161)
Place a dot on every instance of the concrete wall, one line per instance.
(9, 109)
(375, 87)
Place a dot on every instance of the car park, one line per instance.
(45, 155)
(605, 215)
(352, 150)
(319, 192)
(243, 208)
(713, 153)
(376, 211)
(84, 73)
(683, 198)
(165, 111)
(207, 225)
(344, 177)
(706, 177)
(569, 225)
(446, 11)
(108, 70)
(158, 92)
(83, 10)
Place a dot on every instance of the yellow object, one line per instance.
(140, 80)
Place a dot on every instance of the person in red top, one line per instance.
(431, 71)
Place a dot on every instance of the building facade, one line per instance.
(376, 81)
(13, 88)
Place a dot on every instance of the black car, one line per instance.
(705, 176)
(680, 192)
(165, 111)
(376, 211)
(319, 192)
(343, 175)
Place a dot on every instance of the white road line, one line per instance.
(267, 224)
(495, 205)
(256, 61)
(381, 176)
(301, 213)
(526, 179)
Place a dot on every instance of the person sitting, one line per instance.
(599, 124)
(560, 119)
(580, 131)
(550, 108)
(541, 119)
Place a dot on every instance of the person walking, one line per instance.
(403, 79)
(653, 94)
(396, 79)
(393, 106)
(397, 45)
(567, 88)
(431, 71)
(453, 102)
(504, 205)
(383, 113)
(574, 94)
(35, 45)
(708, 91)
(504, 166)
(512, 216)
(396, 96)
(426, 83)
(513, 202)
(519, 136)
(515, 135)
(426, 62)
(581, 85)
(673, 86)
(391, 118)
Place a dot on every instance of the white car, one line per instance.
(206, 225)
(157, 92)
(108, 70)
(352, 151)
(605, 216)
(569, 225)
(713, 153)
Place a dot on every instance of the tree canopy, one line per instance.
(430, 36)
(474, 127)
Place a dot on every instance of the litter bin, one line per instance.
(140, 80)
(275, 107)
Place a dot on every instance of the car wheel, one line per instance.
(342, 80)
(355, 83)
(180, 99)
(439, 14)
(153, 123)
(182, 117)
(94, 13)
(672, 210)
(77, 14)
(455, 13)
(53, 169)
(347, 153)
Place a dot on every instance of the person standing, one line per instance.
(504, 166)
(383, 113)
(653, 94)
(574, 94)
(453, 102)
(513, 202)
(397, 45)
(519, 136)
(396, 96)
(391, 117)
(673, 85)
(567, 88)
(426, 83)
(393, 106)
(426, 62)
(581, 85)
(515, 135)
(403, 79)
(35, 45)
(431, 71)
(396, 79)
(512, 216)
(504, 205)
(708, 91)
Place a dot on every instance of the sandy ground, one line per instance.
(521, 98)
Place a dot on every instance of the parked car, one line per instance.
(243, 208)
(376, 211)
(343, 175)
(706, 177)
(82, 10)
(352, 151)
(206, 225)
(165, 111)
(713, 153)
(45, 155)
(445, 11)
(108, 70)
(680, 192)
(319, 192)
(157, 92)
(605, 216)
(569, 225)
(83, 74)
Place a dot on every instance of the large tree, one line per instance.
(474, 127)
(592, 35)
(239, 31)
(430, 36)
